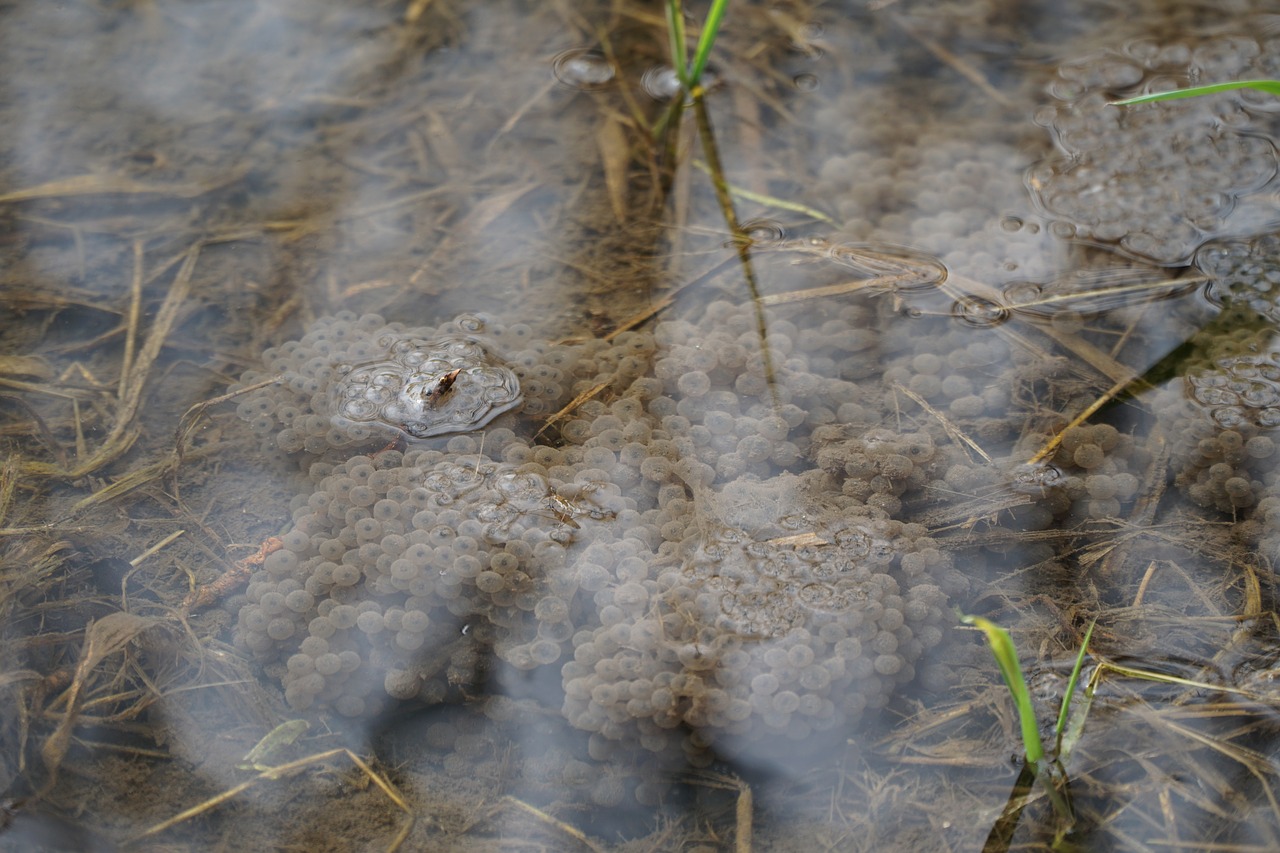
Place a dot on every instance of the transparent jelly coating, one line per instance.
(1240, 390)
(425, 388)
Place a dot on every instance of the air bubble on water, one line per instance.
(979, 313)
(1022, 293)
(762, 232)
(583, 68)
(806, 82)
(661, 83)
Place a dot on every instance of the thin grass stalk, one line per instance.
(710, 29)
(725, 200)
(1061, 725)
(675, 39)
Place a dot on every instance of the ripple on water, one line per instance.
(661, 83)
(583, 68)
(979, 313)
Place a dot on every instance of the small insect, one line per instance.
(566, 510)
(562, 509)
(442, 387)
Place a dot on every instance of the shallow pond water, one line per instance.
(415, 436)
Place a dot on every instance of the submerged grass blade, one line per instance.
(769, 200)
(1271, 87)
(1007, 659)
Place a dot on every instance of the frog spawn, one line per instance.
(351, 381)
(1176, 174)
(660, 546)
(775, 626)
(1240, 390)
(393, 554)
(426, 387)
(1244, 275)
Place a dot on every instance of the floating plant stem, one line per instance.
(1271, 87)
(690, 74)
(725, 199)
(769, 200)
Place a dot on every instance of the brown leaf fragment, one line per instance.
(615, 155)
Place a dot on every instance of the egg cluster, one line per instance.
(391, 554)
(888, 183)
(1244, 275)
(1132, 152)
(1223, 471)
(756, 641)
(876, 466)
(353, 380)
(1220, 419)
(1098, 472)
(666, 542)
(747, 404)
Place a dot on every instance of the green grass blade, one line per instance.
(1071, 688)
(675, 38)
(708, 37)
(1007, 659)
(1271, 87)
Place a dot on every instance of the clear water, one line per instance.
(981, 342)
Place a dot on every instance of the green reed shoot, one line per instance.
(1006, 656)
(1060, 727)
(1271, 87)
(1049, 773)
(690, 74)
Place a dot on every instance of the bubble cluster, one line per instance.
(1240, 389)
(1157, 179)
(1220, 418)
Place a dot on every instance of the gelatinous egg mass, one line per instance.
(1240, 390)
(425, 388)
